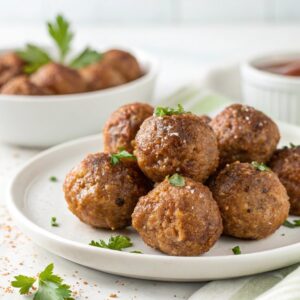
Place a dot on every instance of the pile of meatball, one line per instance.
(116, 67)
(225, 186)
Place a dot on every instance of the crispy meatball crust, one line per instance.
(101, 76)
(286, 164)
(123, 62)
(253, 203)
(59, 79)
(122, 126)
(11, 65)
(181, 221)
(244, 134)
(103, 195)
(21, 85)
(177, 143)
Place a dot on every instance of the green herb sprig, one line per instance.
(60, 31)
(50, 286)
(115, 158)
(293, 224)
(236, 250)
(168, 111)
(260, 166)
(34, 56)
(85, 58)
(54, 222)
(117, 243)
(176, 180)
(53, 178)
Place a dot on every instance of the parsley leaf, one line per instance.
(54, 222)
(59, 30)
(293, 224)
(168, 111)
(50, 286)
(236, 250)
(118, 243)
(116, 157)
(260, 166)
(34, 58)
(85, 58)
(25, 283)
(137, 252)
(176, 180)
(53, 179)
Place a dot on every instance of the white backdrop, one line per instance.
(150, 11)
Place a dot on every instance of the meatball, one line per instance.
(206, 119)
(123, 124)
(253, 203)
(180, 143)
(286, 164)
(244, 134)
(11, 65)
(21, 85)
(104, 195)
(59, 79)
(178, 220)
(123, 62)
(101, 76)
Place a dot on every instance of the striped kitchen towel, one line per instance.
(281, 284)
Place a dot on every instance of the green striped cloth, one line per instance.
(281, 284)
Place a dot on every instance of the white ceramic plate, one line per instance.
(34, 199)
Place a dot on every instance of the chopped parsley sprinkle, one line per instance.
(260, 166)
(116, 157)
(176, 180)
(236, 250)
(293, 224)
(168, 111)
(137, 252)
(53, 179)
(293, 145)
(54, 222)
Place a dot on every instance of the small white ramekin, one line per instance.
(276, 95)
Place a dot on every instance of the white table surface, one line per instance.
(185, 53)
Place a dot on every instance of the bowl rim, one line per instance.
(250, 69)
(143, 57)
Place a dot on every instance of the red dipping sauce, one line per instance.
(287, 68)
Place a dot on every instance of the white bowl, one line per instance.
(43, 121)
(277, 95)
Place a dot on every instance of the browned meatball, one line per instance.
(244, 134)
(205, 118)
(178, 220)
(253, 203)
(122, 126)
(10, 66)
(180, 143)
(59, 79)
(104, 195)
(21, 85)
(124, 62)
(286, 164)
(101, 76)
